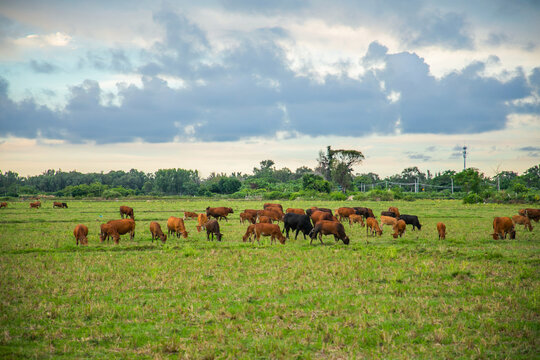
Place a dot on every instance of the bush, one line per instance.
(275, 195)
(472, 198)
(380, 195)
(338, 196)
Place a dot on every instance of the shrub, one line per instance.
(472, 198)
(338, 196)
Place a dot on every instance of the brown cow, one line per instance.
(441, 229)
(364, 211)
(270, 205)
(190, 215)
(108, 231)
(176, 226)
(3, 204)
(271, 230)
(522, 220)
(252, 212)
(272, 214)
(356, 219)
(501, 226)
(533, 214)
(123, 226)
(250, 231)
(327, 227)
(81, 233)
(399, 228)
(126, 210)
(344, 213)
(265, 220)
(388, 220)
(317, 216)
(201, 221)
(219, 212)
(373, 226)
(61, 205)
(155, 230)
(295, 211)
(394, 210)
(212, 227)
(35, 205)
(312, 209)
(250, 217)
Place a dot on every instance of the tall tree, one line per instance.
(337, 165)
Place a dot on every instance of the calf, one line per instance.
(295, 211)
(250, 217)
(532, 214)
(127, 211)
(394, 210)
(250, 231)
(219, 212)
(355, 218)
(326, 227)
(35, 205)
(388, 220)
(3, 204)
(344, 213)
(201, 221)
(522, 220)
(411, 220)
(372, 226)
(81, 233)
(190, 215)
(441, 229)
(399, 228)
(271, 230)
(176, 226)
(155, 230)
(297, 222)
(212, 227)
(502, 226)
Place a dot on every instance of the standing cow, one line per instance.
(81, 234)
(127, 211)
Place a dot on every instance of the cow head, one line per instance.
(219, 236)
(346, 240)
(512, 234)
(163, 238)
(312, 234)
(495, 236)
(184, 234)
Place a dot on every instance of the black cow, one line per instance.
(411, 220)
(365, 212)
(388, 213)
(297, 222)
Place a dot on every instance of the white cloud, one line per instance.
(57, 39)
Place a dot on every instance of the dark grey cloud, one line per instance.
(449, 29)
(416, 156)
(251, 91)
(530, 148)
(109, 60)
(43, 67)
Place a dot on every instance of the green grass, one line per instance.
(415, 297)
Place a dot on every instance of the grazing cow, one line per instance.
(250, 217)
(373, 226)
(295, 211)
(441, 229)
(365, 212)
(297, 222)
(394, 210)
(270, 205)
(219, 212)
(201, 221)
(212, 227)
(355, 218)
(271, 230)
(532, 214)
(344, 213)
(522, 220)
(317, 216)
(399, 228)
(115, 228)
(35, 205)
(272, 214)
(326, 227)
(3, 204)
(501, 226)
(81, 233)
(59, 205)
(253, 212)
(411, 220)
(314, 208)
(250, 231)
(388, 220)
(126, 210)
(190, 215)
(155, 230)
(265, 219)
(389, 213)
(176, 226)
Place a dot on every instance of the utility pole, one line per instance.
(452, 179)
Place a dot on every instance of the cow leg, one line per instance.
(296, 236)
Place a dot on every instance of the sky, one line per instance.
(218, 86)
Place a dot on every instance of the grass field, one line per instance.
(416, 297)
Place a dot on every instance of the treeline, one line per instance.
(270, 183)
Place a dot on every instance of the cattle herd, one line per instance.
(313, 222)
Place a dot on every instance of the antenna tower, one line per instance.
(464, 158)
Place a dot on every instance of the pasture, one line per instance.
(468, 296)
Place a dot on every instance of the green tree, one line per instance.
(337, 165)
(471, 179)
(315, 182)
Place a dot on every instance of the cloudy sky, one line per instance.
(221, 85)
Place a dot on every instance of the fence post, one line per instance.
(452, 179)
(386, 185)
